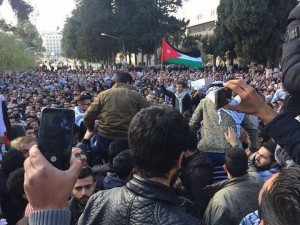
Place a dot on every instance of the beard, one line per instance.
(262, 167)
(83, 200)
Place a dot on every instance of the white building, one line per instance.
(52, 43)
(202, 15)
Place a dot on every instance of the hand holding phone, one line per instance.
(55, 136)
(223, 97)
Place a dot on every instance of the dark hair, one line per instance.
(193, 141)
(123, 164)
(86, 172)
(281, 202)
(236, 162)
(76, 129)
(187, 114)
(82, 98)
(16, 116)
(17, 130)
(15, 183)
(264, 135)
(157, 136)
(29, 117)
(12, 160)
(115, 148)
(180, 82)
(123, 77)
(28, 127)
(271, 147)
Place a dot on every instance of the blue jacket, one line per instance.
(285, 131)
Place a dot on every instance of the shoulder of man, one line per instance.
(170, 214)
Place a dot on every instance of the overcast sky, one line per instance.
(48, 14)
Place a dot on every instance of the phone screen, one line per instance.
(223, 97)
(55, 136)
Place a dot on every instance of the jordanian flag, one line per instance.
(171, 55)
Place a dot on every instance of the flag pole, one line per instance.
(161, 58)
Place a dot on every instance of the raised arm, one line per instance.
(92, 113)
(197, 117)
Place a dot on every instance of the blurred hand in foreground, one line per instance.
(251, 101)
(45, 186)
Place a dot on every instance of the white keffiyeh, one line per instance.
(179, 98)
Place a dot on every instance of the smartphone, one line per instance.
(223, 97)
(55, 136)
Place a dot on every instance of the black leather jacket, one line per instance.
(141, 201)
(196, 174)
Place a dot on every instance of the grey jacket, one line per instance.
(232, 199)
(212, 131)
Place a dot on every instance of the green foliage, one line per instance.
(139, 24)
(14, 55)
(29, 34)
(252, 28)
(21, 8)
(190, 43)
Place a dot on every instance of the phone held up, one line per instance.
(55, 136)
(223, 97)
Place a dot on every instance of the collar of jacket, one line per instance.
(193, 159)
(210, 190)
(121, 85)
(73, 206)
(152, 190)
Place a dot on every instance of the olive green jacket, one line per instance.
(115, 107)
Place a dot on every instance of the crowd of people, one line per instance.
(150, 147)
(94, 94)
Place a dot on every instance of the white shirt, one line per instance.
(280, 94)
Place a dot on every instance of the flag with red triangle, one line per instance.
(171, 55)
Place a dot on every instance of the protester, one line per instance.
(83, 102)
(279, 202)
(196, 173)
(100, 171)
(263, 161)
(84, 188)
(14, 203)
(181, 99)
(214, 124)
(116, 107)
(122, 168)
(26, 143)
(157, 158)
(234, 198)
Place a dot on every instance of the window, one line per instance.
(201, 27)
(199, 16)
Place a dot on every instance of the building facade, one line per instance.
(52, 43)
(202, 15)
